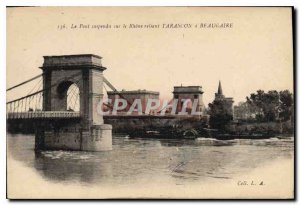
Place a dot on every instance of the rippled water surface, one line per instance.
(148, 160)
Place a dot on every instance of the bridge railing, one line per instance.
(42, 115)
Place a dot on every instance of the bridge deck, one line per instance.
(42, 115)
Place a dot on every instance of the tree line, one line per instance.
(260, 106)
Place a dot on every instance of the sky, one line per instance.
(256, 53)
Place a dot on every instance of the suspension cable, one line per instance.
(27, 81)
(37, 92)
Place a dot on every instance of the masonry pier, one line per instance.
(86, 131)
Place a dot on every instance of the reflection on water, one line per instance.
(135, 161)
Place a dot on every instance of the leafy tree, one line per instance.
(286, 105)
(245, 111)
(272, 105)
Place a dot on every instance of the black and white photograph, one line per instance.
(183, 102)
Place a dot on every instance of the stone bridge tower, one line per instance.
(88, 131)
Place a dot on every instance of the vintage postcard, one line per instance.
(150, 103)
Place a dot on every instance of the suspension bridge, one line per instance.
(30, 106)
(63, 104)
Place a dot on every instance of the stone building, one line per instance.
(244, 111)
(191, 93)
(130, 96)
(219, 97)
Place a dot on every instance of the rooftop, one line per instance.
(132, 92)
(78, 60)
(188, 89)
(191, 86)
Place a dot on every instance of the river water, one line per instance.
(140, 161)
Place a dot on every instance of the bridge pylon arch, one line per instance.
(89, 133)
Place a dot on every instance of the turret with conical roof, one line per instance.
(219, 95)
(220, 92)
